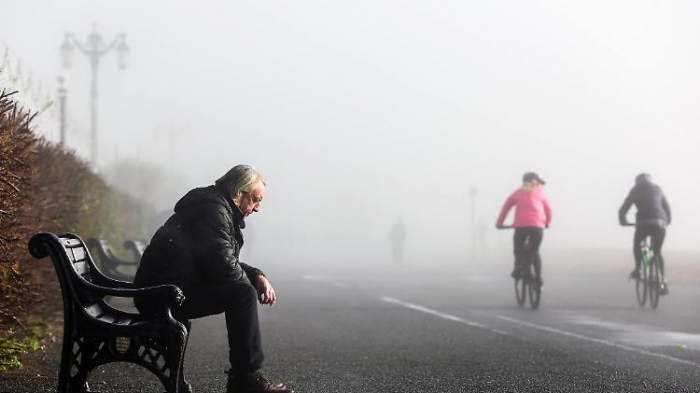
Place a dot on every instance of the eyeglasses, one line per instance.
(255, 199)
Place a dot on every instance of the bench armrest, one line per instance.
(169, 295)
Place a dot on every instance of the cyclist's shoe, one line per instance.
(634, 275)
(664, 288)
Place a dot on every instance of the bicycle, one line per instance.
(649, 283)
(527, 282)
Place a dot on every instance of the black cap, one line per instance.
(529, 176)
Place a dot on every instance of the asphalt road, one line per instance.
(446, 331)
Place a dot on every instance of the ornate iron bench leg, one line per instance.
(175, 380)
(185, 387)
(83, 351)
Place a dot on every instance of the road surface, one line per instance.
(444, 331)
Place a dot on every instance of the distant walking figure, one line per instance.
(197, 249)
(533, 214)
(398, 234)
(652, 218)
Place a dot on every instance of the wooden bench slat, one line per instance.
(107, 318)
(79, 253)
(82, 268)
(95, 310)
(71, 242)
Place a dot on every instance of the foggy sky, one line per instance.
(361, 112)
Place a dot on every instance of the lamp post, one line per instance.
(62, 92)
(94, 48)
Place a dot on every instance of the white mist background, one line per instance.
(362, 112)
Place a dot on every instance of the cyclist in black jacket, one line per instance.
(653, 215)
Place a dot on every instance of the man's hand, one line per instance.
(266, 294)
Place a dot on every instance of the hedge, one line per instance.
(44, 187)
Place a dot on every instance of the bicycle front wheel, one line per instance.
(534, 289)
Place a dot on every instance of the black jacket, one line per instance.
(651, 203)
(198, 245)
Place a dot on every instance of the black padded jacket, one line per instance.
(198, 245)
(650, 201)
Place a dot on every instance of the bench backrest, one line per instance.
(105, 256)
(73, 263)
(137, 247)
(109, 264)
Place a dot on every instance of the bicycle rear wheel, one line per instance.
(654, 282)
(642, 285)
(534, 288)
(520, 287)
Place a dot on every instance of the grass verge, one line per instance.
(21, 340)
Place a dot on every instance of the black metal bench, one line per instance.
(109, 264)
(137, 247)
(96, 333)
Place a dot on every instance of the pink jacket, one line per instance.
(531, 209)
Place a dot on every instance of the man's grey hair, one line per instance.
(240, 179)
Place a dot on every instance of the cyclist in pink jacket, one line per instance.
(533, 214)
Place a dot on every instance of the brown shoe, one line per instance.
(253, 382)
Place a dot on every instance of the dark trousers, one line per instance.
(239, 301)
(524, 248)
(657, 234)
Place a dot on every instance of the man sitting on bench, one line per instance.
(197, 249)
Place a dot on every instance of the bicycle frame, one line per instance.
(647, 252)
(649, 282)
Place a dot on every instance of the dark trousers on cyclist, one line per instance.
(524, 248)
(657, 234)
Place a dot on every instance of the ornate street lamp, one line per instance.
(94, 48)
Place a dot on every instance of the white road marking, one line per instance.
(441, 315)
(535, 326)
(640, 335)
(599, 341)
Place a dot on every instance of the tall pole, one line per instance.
(62, 92)
(95, 41)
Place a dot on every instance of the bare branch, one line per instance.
(11, 185)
